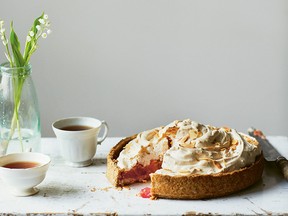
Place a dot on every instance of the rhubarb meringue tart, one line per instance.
(187, 160)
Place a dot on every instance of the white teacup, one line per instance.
(22, 172)
(78, 137)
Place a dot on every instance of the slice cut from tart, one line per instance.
(187, 160)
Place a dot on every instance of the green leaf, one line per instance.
(15, 46)
(30, 47)
(26, 51)
(36, 21)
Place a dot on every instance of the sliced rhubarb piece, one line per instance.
(145, 192)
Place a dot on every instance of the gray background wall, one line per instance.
(142, 64)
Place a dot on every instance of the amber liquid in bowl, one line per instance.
(21, 165)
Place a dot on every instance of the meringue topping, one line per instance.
(187, 147)
(147, 146)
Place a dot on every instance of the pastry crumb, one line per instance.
(105, 189)
(120, 188)
(100, 189)
(127, 187)
(93, 189)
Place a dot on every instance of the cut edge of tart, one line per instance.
(113, 171)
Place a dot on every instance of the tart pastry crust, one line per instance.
(206, 186)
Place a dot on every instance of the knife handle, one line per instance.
(282, 163)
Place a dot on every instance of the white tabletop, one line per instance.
(86, 191)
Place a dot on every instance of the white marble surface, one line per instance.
(86, 191)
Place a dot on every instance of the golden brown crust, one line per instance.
(113, 171)
(206, 186)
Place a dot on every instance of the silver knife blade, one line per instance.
(269, 152)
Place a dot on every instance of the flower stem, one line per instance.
(18, 82)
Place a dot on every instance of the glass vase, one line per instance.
(19, 111)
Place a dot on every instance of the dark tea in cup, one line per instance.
(76, 128)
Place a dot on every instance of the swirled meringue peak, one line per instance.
(187, 147)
